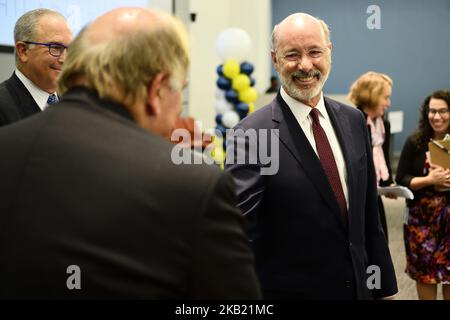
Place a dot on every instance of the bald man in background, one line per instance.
(93, 205)
(41, 38)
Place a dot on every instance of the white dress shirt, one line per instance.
(39, 95)
(301, 113)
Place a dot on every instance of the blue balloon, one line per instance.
(252, 81)
(232, 96)
(220, 70)
(224, 145)
(246, 68)
(242, 109)
(222, 130)
(223, 83)
(219, 119)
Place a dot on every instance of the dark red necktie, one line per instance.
(327, 160)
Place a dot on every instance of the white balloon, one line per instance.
(220, 94)
(223, 106)
(233, 43)
(230, 119)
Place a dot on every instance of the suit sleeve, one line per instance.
(376, 246)
(223, 262)
(247, 177)
(406, 169)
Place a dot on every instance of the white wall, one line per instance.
(254, 16)
(7, 65)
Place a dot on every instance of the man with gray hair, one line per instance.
(41, 38)
(314, 225)
(93, 206)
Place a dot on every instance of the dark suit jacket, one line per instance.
(16, 102)
(303, 248)
(83, 185)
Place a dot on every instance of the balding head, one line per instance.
(122, 51)
(299, 22)
(122, 21)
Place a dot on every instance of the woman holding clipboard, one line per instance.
(427, 231)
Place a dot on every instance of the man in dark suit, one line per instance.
(41, 37)
(93, 205)
(313, 222)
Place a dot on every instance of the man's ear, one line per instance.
(155, 93)
(21, 51)
(274, 57)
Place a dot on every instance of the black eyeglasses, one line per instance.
(442, 112)
(55, 49)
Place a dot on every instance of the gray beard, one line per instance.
(303, 95)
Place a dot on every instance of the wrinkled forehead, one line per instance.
(51, 24)
(300, 31)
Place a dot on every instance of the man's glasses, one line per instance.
(295, 56)
(442, 112)
(55, 49)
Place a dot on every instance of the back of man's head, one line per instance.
(121, 52)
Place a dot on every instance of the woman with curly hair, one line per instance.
(427, 231)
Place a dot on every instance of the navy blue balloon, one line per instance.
(220, 70)
(252, 82)
(232, 96)
(224, 145)
(242, 109)
(219, 119)
(246, 68)
(223, 83)
(221, 129)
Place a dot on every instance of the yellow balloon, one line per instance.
(231, 69)
(218, 154)
(248, 95)
(241, 82)
(251, 107)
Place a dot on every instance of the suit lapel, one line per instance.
(292, 136)
(342, 127)
(24, 100)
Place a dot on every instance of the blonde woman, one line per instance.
(371, 93)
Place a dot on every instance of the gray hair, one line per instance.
(28, 23)
(325, 29)
(124, 66)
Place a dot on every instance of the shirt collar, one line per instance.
(39, 95)
(301, 110)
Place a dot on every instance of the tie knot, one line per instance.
(315, 115)
(52, 99)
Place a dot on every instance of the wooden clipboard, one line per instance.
(438, 155)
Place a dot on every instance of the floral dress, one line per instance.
(427, 228)
(427, 239)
